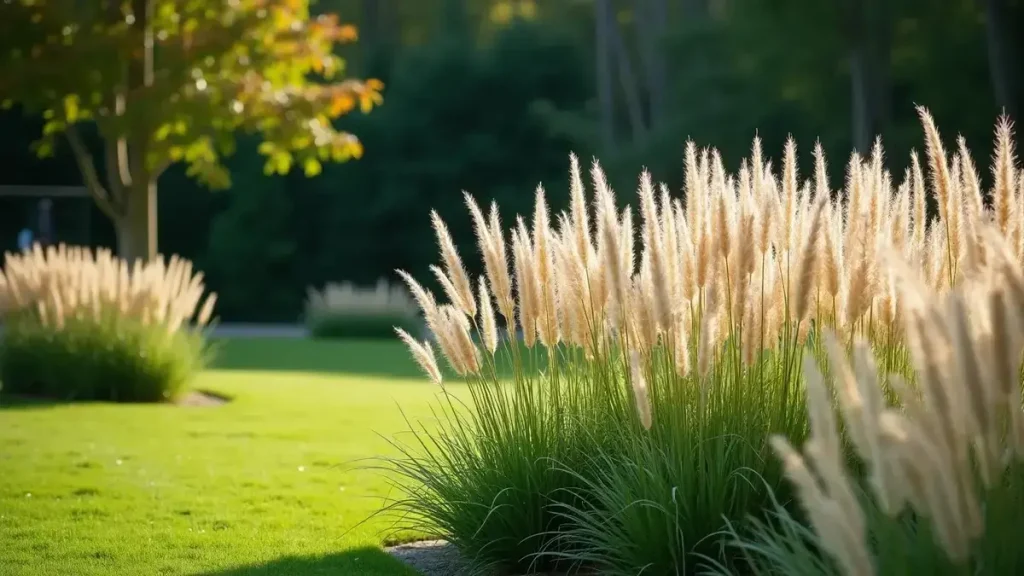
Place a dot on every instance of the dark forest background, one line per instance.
(491, 96)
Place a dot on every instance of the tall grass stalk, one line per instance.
(941, 489)
(661, 354)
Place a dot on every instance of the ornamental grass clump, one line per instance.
(943, 452)
(87, 326)
(661, 354)
(347, 311)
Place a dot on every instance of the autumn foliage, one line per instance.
(167, 81)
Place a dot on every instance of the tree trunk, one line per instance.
(867, 43)
(630, 88)
(649, 17)
(602, 36)
(136, 228)
(1000, 61)
(659, 13)
(861, 113)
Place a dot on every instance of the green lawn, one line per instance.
(274, 482)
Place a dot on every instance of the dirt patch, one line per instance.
(430, 557)
(200, 398)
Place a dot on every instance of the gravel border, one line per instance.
(429, 557)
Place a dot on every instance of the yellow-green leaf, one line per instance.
(312, 167)
(162, 132)
(71, 108)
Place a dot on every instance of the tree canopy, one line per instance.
(165, 81)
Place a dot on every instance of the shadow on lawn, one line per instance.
(378, 358)
(19, 402)
(366, 561)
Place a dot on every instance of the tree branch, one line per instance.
(88, 169)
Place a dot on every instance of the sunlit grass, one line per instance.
(274, 482)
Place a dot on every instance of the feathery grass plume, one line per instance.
(765, 223)
(1016, 234)
(455, 336)
(956, 215)
(942, 182)
(445, 333)
(672, 256)
(980, 418)
(640, 393)
(932, 435)
(705, 261)
(502, 280)
(744, 260)
(756, 168)
(860, 399)
(859, 282)
(752, 342)
(877, 186)
(832, 273)
(744, 192)
(789, 194)
(681, 353)
(423, 297)
(423, 354)
(974, 214)
(580, 215)
(488, 324)
(448, 287)
(807, 262)
(627, 242)
(492, 248)
(821, 187)
(1004, 174)
(547, 322)
(614, 278)
(974, 206)
(642, 309)
(654, 243)
(570, 277)
(829, 500)
(856, 214)
(705, 344)
(724, 233)
(456, 281)
(695, 189)
(687, 253)
(899, 217)
(526, 283)
(920, 201)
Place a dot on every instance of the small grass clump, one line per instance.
(346, 311)
(80, 325)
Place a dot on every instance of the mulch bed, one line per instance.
(429, 557)
(199, 398)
